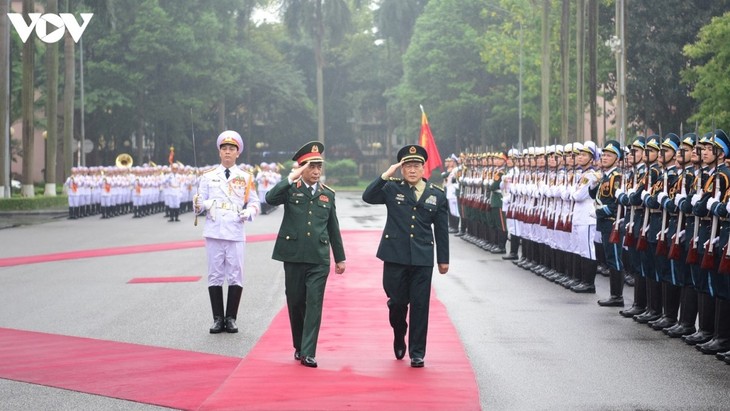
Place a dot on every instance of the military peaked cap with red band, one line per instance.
(310, 153)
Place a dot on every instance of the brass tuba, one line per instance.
(124, 160)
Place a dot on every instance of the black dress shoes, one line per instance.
(510, 257)
(679, 330)
(723, 356)
(714, 346)
(297, 355)
(700, 337)
(647, 316)
(309, 362)
(218, 325)
(399, 347)
(417, 362)
(583, 288)
(612, 301)
(632, 311)
(662, 323)
(230, 324)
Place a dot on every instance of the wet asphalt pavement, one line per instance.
(533, 345)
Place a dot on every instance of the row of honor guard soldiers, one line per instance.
(655, 211)
(141, 190)
(144, 190)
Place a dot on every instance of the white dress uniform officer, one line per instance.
(228, 195)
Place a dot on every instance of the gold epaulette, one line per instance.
(328, 188)
(208, 170)
(437, 187)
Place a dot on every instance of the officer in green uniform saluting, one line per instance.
(308, 230)
(417, 210)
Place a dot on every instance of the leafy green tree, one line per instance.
(656, 33)
(443, 72)
(318, 20)
(709, 72)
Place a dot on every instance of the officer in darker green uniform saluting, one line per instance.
(418, 212)
(308, 230)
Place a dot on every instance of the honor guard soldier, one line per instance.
(228, 195)
(308, 230)
(718, 278)
(607, 215)
(498, 225)
(417, 214)
(664, 189)
(681, 225)
(584, 218)
(451, 186)
(646, 241)
(633, 220)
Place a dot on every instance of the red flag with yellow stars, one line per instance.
(426, 141)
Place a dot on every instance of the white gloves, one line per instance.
(631, 191)
(208, 204)
(696, 198)
(660, 198)
(618, 192)
(245, 215)
(678, 198)
(710, 202)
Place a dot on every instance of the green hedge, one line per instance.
(35, 203)
(342, 173)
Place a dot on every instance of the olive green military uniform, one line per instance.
(308, 230)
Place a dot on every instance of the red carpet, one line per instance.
(357, 370)
(144, 280)
(161, 376)
(106, 252)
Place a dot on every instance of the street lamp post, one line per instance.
(618, 47)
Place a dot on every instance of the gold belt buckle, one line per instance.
(225, 206)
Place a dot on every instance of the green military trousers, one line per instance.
(305, 285)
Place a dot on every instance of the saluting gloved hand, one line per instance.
(696, 198)
(710, 202)
(245, 215)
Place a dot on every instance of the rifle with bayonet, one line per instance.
(643, 243)
(675, 251)
(708, 260)
(629, 239)
(661, 246)
(615, 236)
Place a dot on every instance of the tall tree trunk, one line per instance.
(69, 94)
(565, 71)
(593, 66)
(545, 76)
(4, 100)
(27, 102)
(222, 114)
(318, 40)
(139, 134)
(51, 108)
(579, 69)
